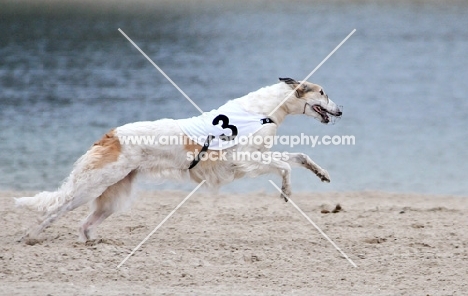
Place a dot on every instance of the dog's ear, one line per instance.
(293, 84)
(289, 81)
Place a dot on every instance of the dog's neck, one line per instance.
(267, 99)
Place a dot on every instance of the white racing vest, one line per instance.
(227, 124)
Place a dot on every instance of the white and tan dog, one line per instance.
(104, 175)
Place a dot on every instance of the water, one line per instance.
(67, 76)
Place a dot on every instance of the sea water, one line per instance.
(67, 76)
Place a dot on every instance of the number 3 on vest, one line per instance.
(225, 120)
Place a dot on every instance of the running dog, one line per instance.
(105, 173)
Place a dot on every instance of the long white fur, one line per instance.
(109, 187)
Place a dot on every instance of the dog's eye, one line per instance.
(321, 92)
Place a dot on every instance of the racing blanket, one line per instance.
(227, 125)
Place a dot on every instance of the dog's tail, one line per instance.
(43, 202)
(47, 201)
(79, 186)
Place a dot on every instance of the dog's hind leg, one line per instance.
(92, 221)
(102, 166)
(300, 159)
(81, 191)
(116, 197)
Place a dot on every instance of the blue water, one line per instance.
(67, 76)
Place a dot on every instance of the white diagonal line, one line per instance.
(313, 71)
(162, 72)
(160, 224)
(315, 225)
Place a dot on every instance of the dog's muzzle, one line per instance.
(324, 113)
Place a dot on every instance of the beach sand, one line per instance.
(250, 244)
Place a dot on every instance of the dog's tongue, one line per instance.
(322, 112)
(317, 109)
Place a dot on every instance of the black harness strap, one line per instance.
(197, 158)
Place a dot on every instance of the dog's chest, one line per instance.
(228, 125)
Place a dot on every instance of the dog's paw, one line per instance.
(285, 193)
(324, 176)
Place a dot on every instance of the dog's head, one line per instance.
(312, 100)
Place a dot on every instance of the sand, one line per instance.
(252, 244)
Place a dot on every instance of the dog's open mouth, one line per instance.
(322, 112)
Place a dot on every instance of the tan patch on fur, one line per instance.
(305, 88)
(191, 146)
(211, 156)
(106, 150)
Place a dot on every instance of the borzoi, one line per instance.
(105, 173)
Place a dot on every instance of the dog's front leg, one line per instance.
(303, 160)
(284, 170)
(286, 184)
